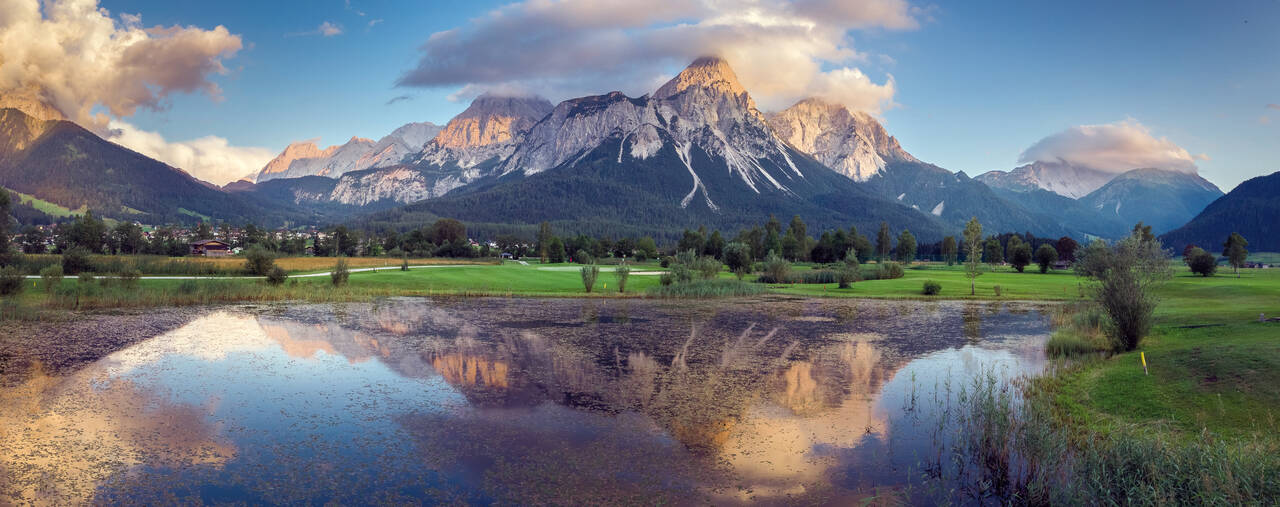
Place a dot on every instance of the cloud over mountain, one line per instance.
(1113, 147)
(73, 57)
(782, 50)
(76, 57)
(209, 158)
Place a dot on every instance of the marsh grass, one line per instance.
(1079, 330)
(708, 289)
(200, 292)
(1005, 441)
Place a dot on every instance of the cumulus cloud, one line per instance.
(209, 158)
(781, 50)
(73, 56)
(1113, 147)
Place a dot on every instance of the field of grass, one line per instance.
(49, 208)
(228, 266)
(1213, 366)
(1030, 285)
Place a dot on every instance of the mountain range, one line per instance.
(1251, 209)
(696, 151)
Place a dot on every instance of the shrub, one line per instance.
(707, 267)
(129, 277)
(278, 275)
(996, 289)
(737, 256)
(890, 271)
(582, 257)
(1201, 262)
(666, 279)
(621, 273)
(258, 261)
(85, 277)
(340, 273)
(776, 269)
(11, 280)
(75, 261)
(666, 261)
(1127, 275)
(931, 288)
(51, 275)
(404, 263)
(589, 275)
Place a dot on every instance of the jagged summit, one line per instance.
(709, 72)
(492, 119)
(851, 142)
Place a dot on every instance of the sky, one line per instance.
(218, 88)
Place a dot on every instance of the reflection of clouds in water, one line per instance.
(60, 437)
(231, 333)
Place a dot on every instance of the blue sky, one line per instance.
(974, 83)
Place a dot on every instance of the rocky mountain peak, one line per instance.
(709, 72)
(853, 143)
(29, 102)
(492, 119)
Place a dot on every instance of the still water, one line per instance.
(511, 400)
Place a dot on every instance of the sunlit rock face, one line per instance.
(305, 158)
(487, 130)
(1060, 178)
(852, 143)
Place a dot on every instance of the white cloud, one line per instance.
(781, 50)
(1113, 147)
(73, 56)
(209, 158)
(328, 29)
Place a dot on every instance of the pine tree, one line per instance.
(906, 247)
(884, 242)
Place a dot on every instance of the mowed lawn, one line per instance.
(1028, 285)
(1212, 364)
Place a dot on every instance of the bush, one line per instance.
(582, 257)
(707, 267)
(818, 276)
(737, 256)
(129, 277)
(85, 277)
(996, 289)
(776, 269)
(666, 261)
(404, 263)
(11, 280)
(890, 271)
(589, 275)
(278, 275)
(931, 288)
(1201, 262)
(340, 273)
(258, 261)
(51, 275)
(666, 279)
(75, 261)
(1127, 275)
(621, 273)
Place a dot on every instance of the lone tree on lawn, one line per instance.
(1046, 255)
(994, 253)
(1235, 252)
(1201, 262)
(973, 255)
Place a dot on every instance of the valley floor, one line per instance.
(1214, 366)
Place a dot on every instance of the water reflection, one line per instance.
(503, 400)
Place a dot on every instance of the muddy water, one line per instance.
(509, 400)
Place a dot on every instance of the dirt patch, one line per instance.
(67, 344)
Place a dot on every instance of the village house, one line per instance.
(210, 248)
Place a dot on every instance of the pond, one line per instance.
(409, 400)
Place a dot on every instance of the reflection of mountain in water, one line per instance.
(755, 387)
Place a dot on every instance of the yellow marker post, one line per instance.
(1144, 363)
